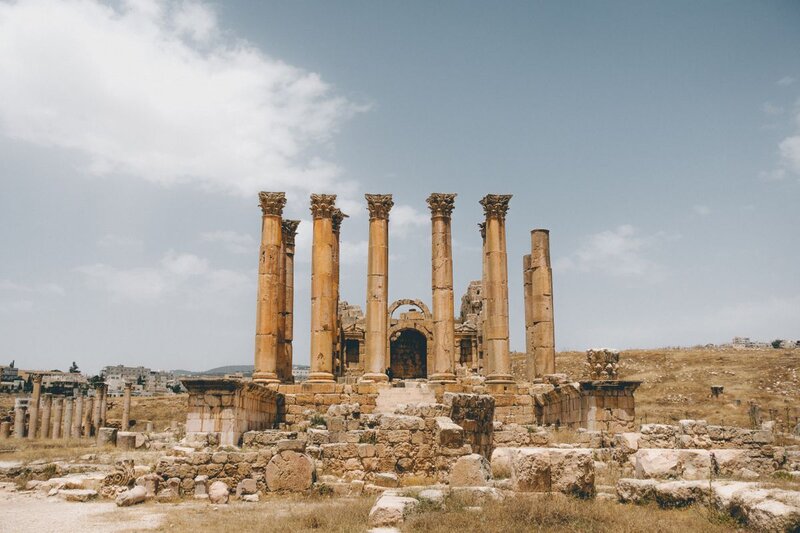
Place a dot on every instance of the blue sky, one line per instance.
(659, 142)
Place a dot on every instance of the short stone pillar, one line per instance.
(269, 289)
(58, 413)
(96, 410)
(19, 421)
(77, 420)
(322, 319)
(106, 437)
(68, 409)
(602, 363)
(36, 398)
(149, 427)
(539, 326)
(103, 404)
(377, 319)
(441, 206)
(126, 406)
(495, 207)
(47, 401)
(5, 430)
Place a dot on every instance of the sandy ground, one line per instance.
(24, 512)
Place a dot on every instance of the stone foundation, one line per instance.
(593, 405)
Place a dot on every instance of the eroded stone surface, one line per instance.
(290, 471)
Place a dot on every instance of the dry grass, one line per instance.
(160, 410)
(557, 513)
(677, 383)
(273, 514)
(47, 450)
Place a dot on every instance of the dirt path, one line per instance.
(25, 512)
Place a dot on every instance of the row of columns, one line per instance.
(274, 323)
(67, 417)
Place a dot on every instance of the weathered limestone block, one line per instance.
(246, 486)
(656, 463)
(106, 437)
(77, 495)
(658, 436)
(218, 492)
(150, 483)
(390, 422)
(391, 509)
(289, 471)
(137, 494)
(126, 440)
(448, 433)
(471, 471)
(501, 463)
(570, 471)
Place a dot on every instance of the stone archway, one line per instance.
(408, 354)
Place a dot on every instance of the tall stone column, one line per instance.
(36, 398)
(19, 422)
(377, 319)
(68, 409)
(338, 218)
(47, 402)
(77, 419)
(495, 207)
(103, 404)
(269, 289)
(289, 228)
(126, 406)
(322, 318)
(88, 416)
(482, 317)
(441, 206)
(98, 388)
(540, 336)
(58, 414)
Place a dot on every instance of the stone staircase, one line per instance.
(413, 392)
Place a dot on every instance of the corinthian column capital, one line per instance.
(323, 205)
(289, 230)
(441, 204)
(338, 217)
(272, 202)
(379, 205)
(496, 205)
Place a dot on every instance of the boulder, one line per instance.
(656, 463)
(501, 462)
(290, 471)
(391, 509)
(137, 494)
(246, 486)
(470, 471)
(106, 437)
(218, 492)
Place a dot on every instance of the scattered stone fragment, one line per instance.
(218, 492)
(137, 494)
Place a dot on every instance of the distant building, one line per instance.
(146, 382)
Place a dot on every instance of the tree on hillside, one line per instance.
(777, 343)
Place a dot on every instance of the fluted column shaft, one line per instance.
(269, 288)
(496, 290)
(46, 405)
(88, 419)
(103, 404)
(322, 318)
(539, 323)
(19, 422)
(77, 419)
(36, 397)
(96, 411)
(58, 413)
(289, 228)
(338, 218)
(68, 410)
(126, 406)
(441, 206)
(377, 320)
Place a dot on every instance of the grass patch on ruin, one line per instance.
(558, 513)
(276, 514)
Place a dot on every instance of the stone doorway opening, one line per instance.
(408, 353)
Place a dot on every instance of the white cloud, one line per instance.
(771, 109)
(785, 81)
(354, 252)
(790, 153)
(235, 242)
(157, 90)
(772, 175)
(702, 210)
(406, 219)
(184, 273)
(620, 252)
(36, 288)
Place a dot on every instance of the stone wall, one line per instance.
(593, 405)
(230, 407)
(698, 434)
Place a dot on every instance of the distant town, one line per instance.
(145, 381)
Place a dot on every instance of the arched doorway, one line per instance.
(408, 353)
